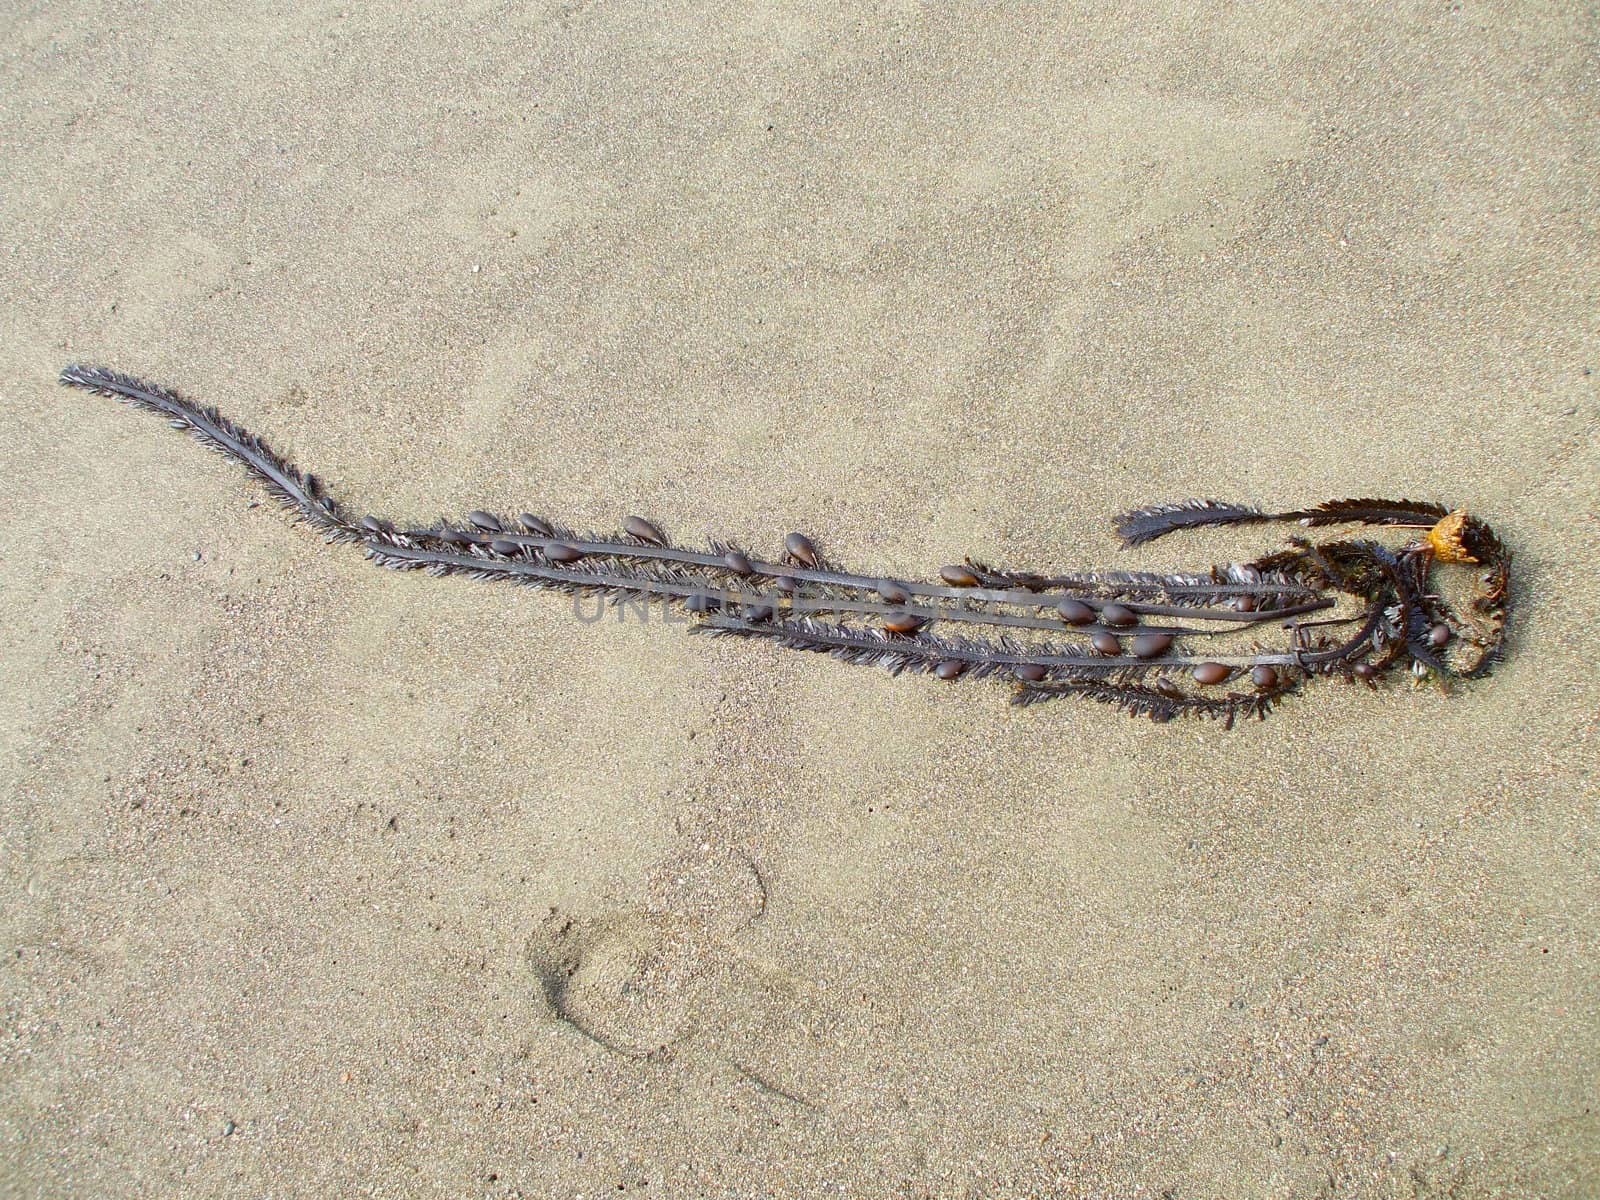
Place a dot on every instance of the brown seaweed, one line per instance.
(1225, 643)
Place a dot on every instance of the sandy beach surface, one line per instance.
(320, 880)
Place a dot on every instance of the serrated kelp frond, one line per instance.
(1140, 525)
(1132, 699)
(1369, 511)
(1491, 608)
(1191, 588)
(858, 647)
(1160, 706)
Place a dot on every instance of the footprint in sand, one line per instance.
(653, 987)
(631, 981)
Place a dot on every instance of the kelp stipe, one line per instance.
(1155, 645)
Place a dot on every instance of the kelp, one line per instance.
(1226, 643)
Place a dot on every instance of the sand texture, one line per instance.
(321, 880)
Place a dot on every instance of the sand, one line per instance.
(295, 850)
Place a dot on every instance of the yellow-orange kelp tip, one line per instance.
(1445, 539)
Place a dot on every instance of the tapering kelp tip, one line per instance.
(106, 381)
(80, 375)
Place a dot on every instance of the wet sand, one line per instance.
(323, 880)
